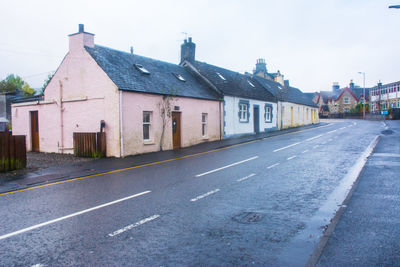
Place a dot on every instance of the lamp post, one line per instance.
(394, 6)
(363, 73)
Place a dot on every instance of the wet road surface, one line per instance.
(250, 204)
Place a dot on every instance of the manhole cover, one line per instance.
(248, 217)
(387, 132)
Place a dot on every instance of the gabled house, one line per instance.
(247, 106)
(142, 104)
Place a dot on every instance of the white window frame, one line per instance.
(347, 100)
(243, 112)
(148, 124)
(268, 114)
(204, 119)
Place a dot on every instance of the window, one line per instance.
(346, 110)
(268, 113)
(222, 77)
(179, 77)
(252, 85)
(346, 100)
(244, 111)
(146, 125)
(204, 124)
(142, 69)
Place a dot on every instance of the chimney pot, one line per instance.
(81, 28)
(190, 39)
(132, 50)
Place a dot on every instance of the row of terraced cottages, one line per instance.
(146, 105)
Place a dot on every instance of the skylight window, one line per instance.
(252, 85)
(179, 77)
(222, 77)
(142, 69)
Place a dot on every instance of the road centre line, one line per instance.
(71, 215)
(282, 148)
(227, 166)
(316, 146)
(273, 165)
(131, 226)
(292, 157)
(245, 178)
(305, 151)
(205, 195)
(342, 128)
(315, 137)
(332, 131)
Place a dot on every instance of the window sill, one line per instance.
(204, 137)
(148, 142)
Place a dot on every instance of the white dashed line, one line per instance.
(316, 146)
(332, 131)
(204, 195)
(342, 128)
(323, 143)
(305, 151)
(315, 137)
(292, 157)
(71, 215)
(230, 165)
(129, 227)
(279, 149)
(274, 165)
(245, 178)
(330, 140)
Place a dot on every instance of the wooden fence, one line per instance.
(12, 152)
(92, 145)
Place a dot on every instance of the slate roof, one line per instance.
(235, 84)
(286, 94)
(120, 68)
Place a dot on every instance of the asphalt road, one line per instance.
(260, 203)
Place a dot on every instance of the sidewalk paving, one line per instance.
(85, 168)
(368, 231)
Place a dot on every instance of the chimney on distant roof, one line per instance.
(261, 66)
(351, 85)
(335, 87)
(188, 50)
(78, 41)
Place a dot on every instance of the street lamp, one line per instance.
(394, 6)
(363, 73)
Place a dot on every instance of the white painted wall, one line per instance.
(232, 124)
(302, 115)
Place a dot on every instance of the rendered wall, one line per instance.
(302, 115)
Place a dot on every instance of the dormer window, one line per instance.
(179, 77)
(142, 69)
(222, 77)
(251, 84)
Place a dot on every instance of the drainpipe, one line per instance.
(121, 129)
(61, 117)
(220, 134)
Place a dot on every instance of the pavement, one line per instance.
(81, 169)
(366, 231)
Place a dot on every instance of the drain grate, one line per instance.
(248, 217)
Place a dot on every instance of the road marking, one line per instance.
(342, 128)
(70, 215)
(227, 166)
(315, 137)
(305, 151)
(306, 130)
(282, 148)
(292, 157)
(129, 227)
(205, 195)
(350, 125)
(330, 139)
(316, 146)
(274, 165)
(332, 131)
(245, 178)
(323, 143)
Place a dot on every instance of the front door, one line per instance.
(35, 131)
(176, 130)
(291, 116)
(256, 117)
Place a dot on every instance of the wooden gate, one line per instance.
(92, 145)
(12, 152)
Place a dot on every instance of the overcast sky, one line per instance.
(313, 43)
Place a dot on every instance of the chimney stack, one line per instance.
(261, 66)
(78, 41)
(188, 50)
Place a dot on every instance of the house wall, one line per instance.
(341, 102)
(302, 115)
(133, 106)
(87, 96)
(231, 119)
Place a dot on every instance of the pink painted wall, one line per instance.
(133, 105)
(88, 96)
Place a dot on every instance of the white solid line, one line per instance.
(279, 149)
(204, 195)
(315, 137)
(305, 151)
(332, 131)
(245, 178)
(274, 165)
(292, 157)
(230, 165)
(129, 227)
(70, 215)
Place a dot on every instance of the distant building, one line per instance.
(385, 97)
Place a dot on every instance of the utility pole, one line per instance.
(363, 73)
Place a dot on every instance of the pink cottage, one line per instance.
(124, 92)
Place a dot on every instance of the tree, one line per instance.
(46, 82)
(165, 108)
(14, 84)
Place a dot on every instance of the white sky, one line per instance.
(313, 43)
